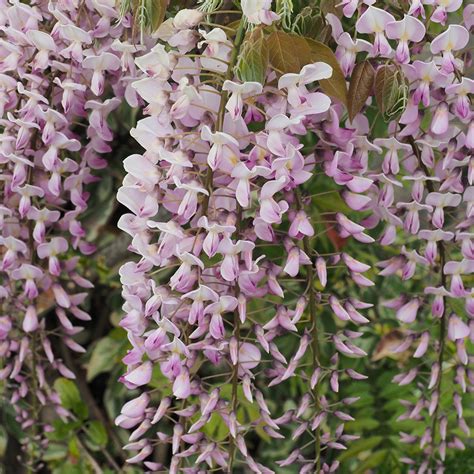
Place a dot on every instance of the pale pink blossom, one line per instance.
(375, 21)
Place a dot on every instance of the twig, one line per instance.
(314, 334)
(442, 323)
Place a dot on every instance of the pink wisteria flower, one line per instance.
(454, 38)
(375, 21)
(49, 74)
(258, 11)
(218, 181)
(405, 30)
(248, 206)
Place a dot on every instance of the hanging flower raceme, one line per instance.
(205, 201)
(422, 180)
(54, 64)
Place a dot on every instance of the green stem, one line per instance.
(442, 323)
(34, 453)
(314, 335)
(442, 340)
(235, 368)
(183, 421)
(239, 37)
(208, 184)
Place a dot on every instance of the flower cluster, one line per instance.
(224, 180)
(58, 60)
(242, 283)
(420, 199)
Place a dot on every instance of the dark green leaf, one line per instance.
(103, 356)
(374, 460)
(70, 397)
(359, 446)
(96, 433)
(63, 430)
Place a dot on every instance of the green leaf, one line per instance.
(11, 425)
(96, 433)
(234, 26)
(211, 261)
(254, 57)
(216, 429)
(124, 7)
(101, 206)
(288, 52)
(148, 15)
(284, 9)
(3, 440)
(360, 424)
(70, 468)
(461, 462)
(158, 380)
(70, 397)
(103, 356)
(331, 202)
(55, 452)
(360, 87)
(458, 307)
(74, 449)
(68, 392)
(309, 22)
(374, 460)
(63, 430)
(360, 446)
(336, 85)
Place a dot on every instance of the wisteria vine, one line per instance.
(225, 176)
(58, 63)
(292, 157)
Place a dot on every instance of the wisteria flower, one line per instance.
(454, 38)
(407, 29)
(259, 11)
(375, 21)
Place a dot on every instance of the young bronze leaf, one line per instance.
(288, 53)
(360, 87)
(336, 85)
(391, 91)
(254, 57)
(331, 6)
(309, 22)
(234, 25)
(157, 11)
(384, 80)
